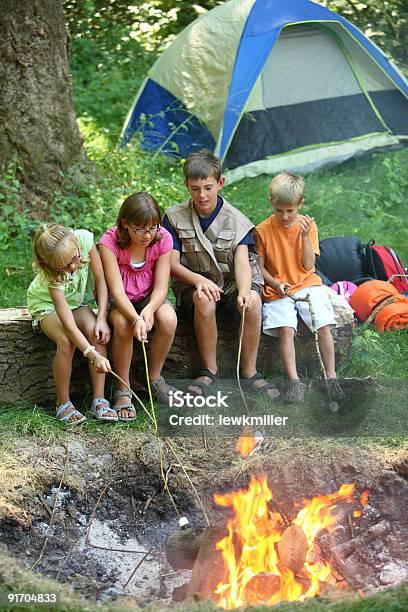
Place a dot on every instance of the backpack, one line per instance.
(344, 288)
(382, 262)
(341, 257)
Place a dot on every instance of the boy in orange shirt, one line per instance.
(287, 244)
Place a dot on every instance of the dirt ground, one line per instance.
(110, 515)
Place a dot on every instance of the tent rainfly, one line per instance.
(271, 85)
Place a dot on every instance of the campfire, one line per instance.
(269, 558)
(264, 556)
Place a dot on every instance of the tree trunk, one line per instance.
(26, 358)
(39, 128)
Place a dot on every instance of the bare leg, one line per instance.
(62, 366)
(165, 322)
(205, 326)
(326, 346)
(85, 320)
(250, 339)
(250, 345)
(122, 351)
(287, 351)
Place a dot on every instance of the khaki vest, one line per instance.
(211, 254)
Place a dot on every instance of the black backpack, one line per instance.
(342, 258)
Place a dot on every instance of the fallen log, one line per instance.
(26, 358)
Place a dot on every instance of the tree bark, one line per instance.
(39, 128)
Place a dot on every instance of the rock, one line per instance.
(393, 574)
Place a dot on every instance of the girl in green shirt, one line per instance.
(56, 303)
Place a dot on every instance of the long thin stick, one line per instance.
(159, 442)
(170, 447)
(47, 535)
(314, 329)
(190, 481)
(241, 335)
(88, 531)
(137, 567)
(133, 393)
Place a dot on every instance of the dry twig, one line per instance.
(47, 535)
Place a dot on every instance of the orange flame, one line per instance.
(254, 572)
(363, 502)
(245, 443)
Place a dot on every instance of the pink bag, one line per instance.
(345, 288)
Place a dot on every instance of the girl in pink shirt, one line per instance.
(136, 259)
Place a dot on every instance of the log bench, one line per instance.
(26, 357)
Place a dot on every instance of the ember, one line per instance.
(265, 559)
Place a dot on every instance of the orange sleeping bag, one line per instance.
(381, 300)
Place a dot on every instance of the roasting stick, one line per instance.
(170, 447)
(152, 417)
(241, 335)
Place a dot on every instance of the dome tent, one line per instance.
(271, 85)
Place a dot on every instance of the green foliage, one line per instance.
(378, 354)
(384, 21)
(152, 24)
(15, 221)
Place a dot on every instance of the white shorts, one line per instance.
(283, 312)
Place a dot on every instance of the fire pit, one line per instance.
(269, 556)
(296, 519)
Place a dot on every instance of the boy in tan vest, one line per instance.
(287, 244)
(213, 262)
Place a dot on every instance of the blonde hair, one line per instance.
(53, 246)
(140, 209)
(286, 188)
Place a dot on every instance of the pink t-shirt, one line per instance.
(137, 282)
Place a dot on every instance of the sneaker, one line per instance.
(295, 392)
(336, 393)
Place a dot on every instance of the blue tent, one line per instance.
(271, 85)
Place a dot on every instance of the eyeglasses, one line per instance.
(74, 260)
(139, 231)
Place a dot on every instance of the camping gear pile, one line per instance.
(371, 278)
(270, 85)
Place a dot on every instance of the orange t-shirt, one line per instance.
(281, 248)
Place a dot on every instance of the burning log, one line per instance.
(209, 566)
(346, 549)
(292, 548)
(261, 588)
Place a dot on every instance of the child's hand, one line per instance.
(140, 330)
(282, 289)
(102, 331)
(245, 301)
(305, 223)
(101, 364)
(208, 288)
(148, 316)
